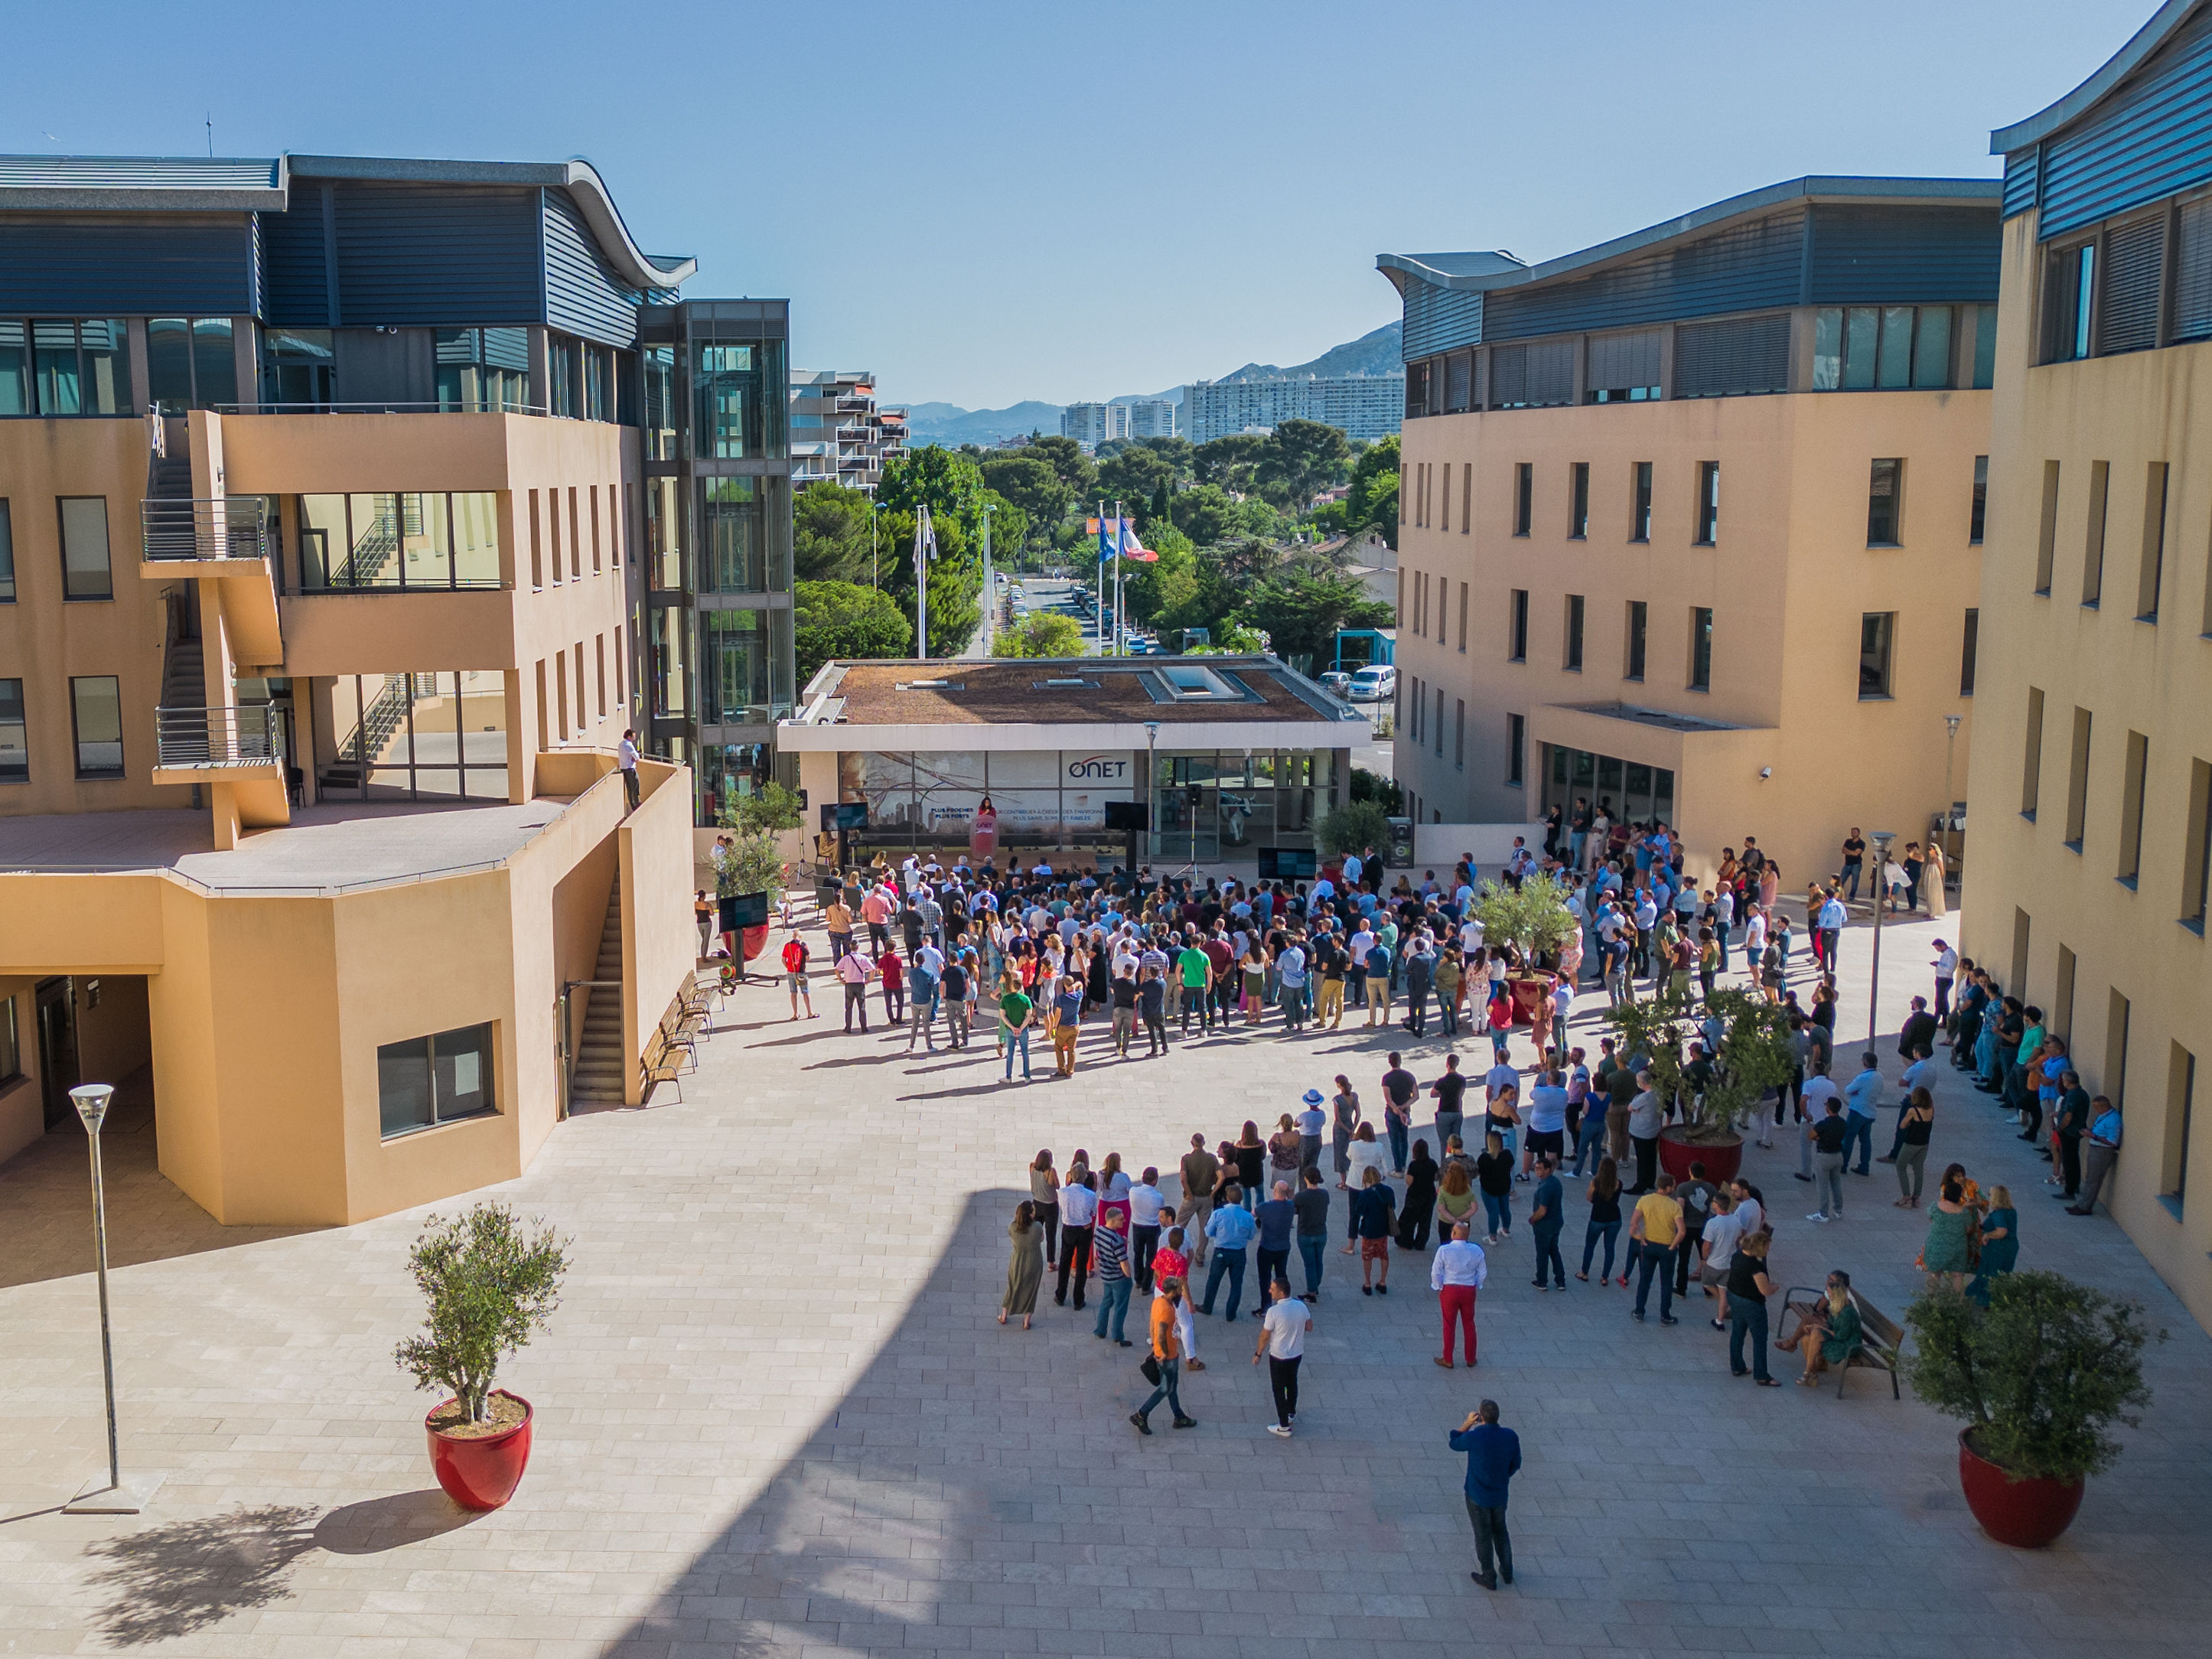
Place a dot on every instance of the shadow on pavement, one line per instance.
(391, 1523)
(174, 1580)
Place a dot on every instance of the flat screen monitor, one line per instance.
(1288, 863)
(1129, 815)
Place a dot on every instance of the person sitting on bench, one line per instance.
(1828, 1332)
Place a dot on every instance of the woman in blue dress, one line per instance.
(1999, 1243)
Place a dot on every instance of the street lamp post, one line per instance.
(1881, 841)
(990, 586)
(109, 1496)
(1152, 779)
(1950, 753)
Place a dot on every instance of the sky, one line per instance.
(985, 203)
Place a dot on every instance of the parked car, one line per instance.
(1376, 683)
(1337, 681)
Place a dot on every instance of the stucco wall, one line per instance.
(660, 940)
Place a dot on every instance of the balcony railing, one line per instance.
(386, 406)
(233, 736)
(229, 527)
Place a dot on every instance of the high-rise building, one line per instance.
(324, 600)
(838, 434)
(1087, 423)
(2089, 851)
(1152, 417)
(1365, 406)
(1689, 518)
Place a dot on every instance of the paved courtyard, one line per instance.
(775, 1413)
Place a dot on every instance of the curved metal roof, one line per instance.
(2140, 45)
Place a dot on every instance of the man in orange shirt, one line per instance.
(1167, 1352)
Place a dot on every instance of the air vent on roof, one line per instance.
(1073, 682)
(930, 685)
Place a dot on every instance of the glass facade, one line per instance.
(297, 367)
(1642, 792)
(662, 410)
(417, 736)
(740, 400)
(65, 366)
(394, 541)
(482, 369)
(190, 362)
(742, 657)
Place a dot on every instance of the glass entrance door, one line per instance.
(58, 1075)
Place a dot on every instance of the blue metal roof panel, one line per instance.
(142, 184)
(2148, 39)
(2150, 139)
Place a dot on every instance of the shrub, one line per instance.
(753, 865)
(1352, 827)
(1756, 1051)
(490, 1288)
(1533, 918)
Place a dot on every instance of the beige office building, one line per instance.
(1690, 518)
(2093, 776)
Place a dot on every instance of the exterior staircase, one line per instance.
(361, 749)
(183, 684)
(600, 1064)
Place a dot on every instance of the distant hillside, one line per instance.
(1377, 353)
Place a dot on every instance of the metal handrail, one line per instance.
(372, 406)
(225, 527)
(233, 735)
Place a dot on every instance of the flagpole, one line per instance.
(1121, 557)
(1101, 567)
(921, 585)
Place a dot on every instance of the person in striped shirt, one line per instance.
(1112, 1244)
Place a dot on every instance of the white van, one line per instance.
(1376, 683)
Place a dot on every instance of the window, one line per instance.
(11, 1041)
(2070, 283)
(1984, 322)
(65, 366)
(1465, 498)
(190, 362)
(1639, 503)
(2060, 1017)
(1624, 368)
(1578, 501)
(14, 749)
(389, 541)
(1640, 616)
(1885, 487)
(2131, 809)
(1574, 657)
(1708, 503)
(430, 1080)
(1516, 736)
(2092, 550)
(1732, 358)
(1459, 734)
(1524, 496)
(85, 572)
(2151, 571)
(1417, 390)
(2196, 847)
(741, 400)
(299, 368)
(2180, 1103)
(2031, 778)
(2019, 943)
(1518, 624)
(1462, 617)
(740, 679)
(1459, 381)
(2046, 540)
(1877, 635)
(1966, 652)
(1440, 720)
(2127, 293)
(488, 370)
(1978, 519)
(2077, 781)
(1701, 647)
(96, 705)
(7, 556)
(1888, 347)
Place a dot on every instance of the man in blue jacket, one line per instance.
(1493, 1455)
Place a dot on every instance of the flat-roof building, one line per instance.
(1365, 406)
(1690, 518)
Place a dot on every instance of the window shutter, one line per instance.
(2134, 256)
(2193, 273)
(1618, 361)
(1459, 380)
(1726, 359)
(1509, 376)
(1552, 371)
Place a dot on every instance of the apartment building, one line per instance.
(2092, 841)
(1153, 417)
(838, 434)
(1691, 519)
(1089, 424)
(1365, 406)
(323, 605)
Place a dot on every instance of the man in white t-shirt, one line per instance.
(1819, 1090)
(1723, 1227)
(1283, 1341)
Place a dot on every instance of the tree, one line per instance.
(1302, 458)
(1302, 609)
(1353, 827)
(490, 1286)
(1258, 518)
(1230, 461)
(773, 809)
(1371, 498)
(1177, 452)
(1065, 457)
(1205, 513)
(1533, 918)
(1385, 792)
(753, 864)
(1029, 482)
(2039, 1377)
(1152, 590)
(956, 578)
(844, 621)
(1757, 1052)
(830, 534)
(951, 483)
(1132, 476)
(1042, 634)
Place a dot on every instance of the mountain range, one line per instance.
(1376, 353)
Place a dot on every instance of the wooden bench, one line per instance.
(1880, 1341)
(664, 1063)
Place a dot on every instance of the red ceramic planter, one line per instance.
(481, 1474)
(2025, 1513)
(1676, 1155)
(753, 941)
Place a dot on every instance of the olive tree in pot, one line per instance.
(1534, 919)
(491, 1283)
(753, 865)
(1757, 1052)
(2039, 1376)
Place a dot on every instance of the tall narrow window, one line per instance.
(2031, 772)
(1465, 498)
(1462, 617)
(96, 707)
(1884, 489)
(2180, 1103)
(1517, 625)
(1459, 734)
(85, 572)
(15, 747)
(1524, 496)
(2131, 808)
(1709, 502)
(1877, 635)
(1639, 617)
(2047, 535)
(1578, 501)
(2196, 847)
(1978, 519)
(1517, 737)
(1574, 657)
(1639, 503)
(7, 556)
(2020, 935)
(1440, 720)
(2077, 781)
(1443, 497)
(2151, 571)
(2059, 1017)
(1967, 651)
(2093, 548)
(2069, 286)
(1701, 647)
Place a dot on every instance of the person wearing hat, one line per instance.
(1310, 1122)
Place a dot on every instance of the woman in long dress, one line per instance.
(1026, 1269)
(983, 832)
(1932, 874)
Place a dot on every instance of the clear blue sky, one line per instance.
(983, 203)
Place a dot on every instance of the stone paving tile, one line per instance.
(775, 1416)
